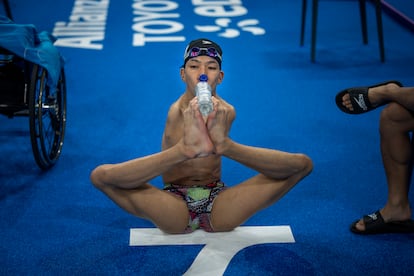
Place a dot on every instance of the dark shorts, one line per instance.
(199, 201)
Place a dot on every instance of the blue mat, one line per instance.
(122, 74)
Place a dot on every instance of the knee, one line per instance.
(306, 163)
(98, 176)
(393, 114)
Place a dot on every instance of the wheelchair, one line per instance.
(24, 91)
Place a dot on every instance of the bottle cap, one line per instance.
(203, 77)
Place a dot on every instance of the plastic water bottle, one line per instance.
(203, 93)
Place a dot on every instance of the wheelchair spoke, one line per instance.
(49, 112)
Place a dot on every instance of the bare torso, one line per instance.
(194, 172)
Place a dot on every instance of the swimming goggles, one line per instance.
(197, 51)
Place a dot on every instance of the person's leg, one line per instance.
(274, 164)
(235, 205)
(397, 153)
(278, 173)
(387, 93)
(396, 123)
(167, 211)
(126, 184)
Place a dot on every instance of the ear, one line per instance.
(182, 75)
(221, 77)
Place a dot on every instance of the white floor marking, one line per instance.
(219, 248)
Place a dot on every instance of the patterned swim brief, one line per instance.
(199, 201)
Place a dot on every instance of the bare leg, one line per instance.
(238, 203)
(397, 153)
(385, 94)
(127, 183)
(278, 173)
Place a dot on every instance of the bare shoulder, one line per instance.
(177, 108)
(227, 108)
(174, 111)
(225, 103)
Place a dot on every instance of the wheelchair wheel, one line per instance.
(47, 117)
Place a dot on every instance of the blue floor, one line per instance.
(119, 91)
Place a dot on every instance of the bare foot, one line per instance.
(196, 139)
(219, 123)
